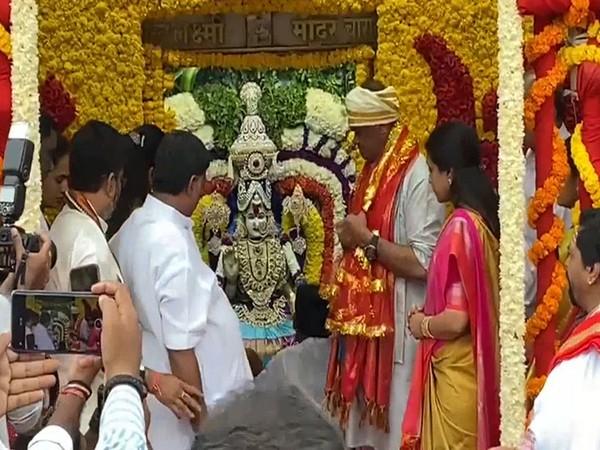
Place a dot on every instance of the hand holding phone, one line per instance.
(56, 322)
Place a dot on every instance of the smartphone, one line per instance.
(56, 322)
(83, 278)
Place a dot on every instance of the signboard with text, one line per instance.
(264, 32)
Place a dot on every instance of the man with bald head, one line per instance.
(388, 236)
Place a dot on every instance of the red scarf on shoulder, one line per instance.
(362, 305)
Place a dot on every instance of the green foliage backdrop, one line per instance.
(283, 104)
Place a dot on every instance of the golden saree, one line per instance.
(362, 307)
(453, 402)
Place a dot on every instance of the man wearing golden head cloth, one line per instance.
(389, 235)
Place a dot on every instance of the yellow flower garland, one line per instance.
(5, 44)
(312, 227)
(171, 7)
(268, 61)
(511, 171)
(584, 166)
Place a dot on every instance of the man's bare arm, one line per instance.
(401, 260)
(184, 365)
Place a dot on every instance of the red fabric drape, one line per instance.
(5, 91)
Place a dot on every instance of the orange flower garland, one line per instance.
(551, 36)
(549, 305)
(546, 196)
(577, 13)
(548, 243)
(543, 89)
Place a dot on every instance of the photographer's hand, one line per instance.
(37, 265)
(120, 324)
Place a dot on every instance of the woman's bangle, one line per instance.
(425, 328)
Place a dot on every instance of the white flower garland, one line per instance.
(189, 116)
(511, 169)
(25, 97)
(326, 114)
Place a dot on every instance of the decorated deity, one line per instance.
(259, 272)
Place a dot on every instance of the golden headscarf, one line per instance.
(368, 108)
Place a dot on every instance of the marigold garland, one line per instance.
(551, 36)
(577, 13)
(549, 305)
(5, 43)
(542, 89)
(312, 227)
(584, 166)
(546, 195)
(547, 243)
(267, 61)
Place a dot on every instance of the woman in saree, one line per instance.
(453, 402)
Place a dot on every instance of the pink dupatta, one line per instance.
(461, 247)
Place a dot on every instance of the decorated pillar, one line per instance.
(553, 20)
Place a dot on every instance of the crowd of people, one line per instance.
(413, 357)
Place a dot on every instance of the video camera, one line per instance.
(18, 157)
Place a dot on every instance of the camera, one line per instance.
(18, 157)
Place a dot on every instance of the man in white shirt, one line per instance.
(96, 177)
(188, 326)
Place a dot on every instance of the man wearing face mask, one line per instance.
(96, 177)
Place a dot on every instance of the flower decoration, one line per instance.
(312, 227)
(577, 13)
(548, 243)
(324, 201)
(57, 103)
(547, 195)
(188, 114)
(190, 117)
(489, 161)
(549, 305)
(452, 82)
(586, 170)
(399, 63)
(5, 45)
(326, 114)
(25, 101)
(267, 61)
(551, 36)
(511, 172)
(489, 112)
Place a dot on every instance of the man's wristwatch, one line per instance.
(135, 382)
(371, 248)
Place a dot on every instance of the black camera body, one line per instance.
(18, 158)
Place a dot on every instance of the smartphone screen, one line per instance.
(55, 322)
(83, 278)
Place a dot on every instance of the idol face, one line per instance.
(257, 222)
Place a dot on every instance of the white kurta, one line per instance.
(419, 220)
(565, 414)
(79, 242)
(180, 307)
